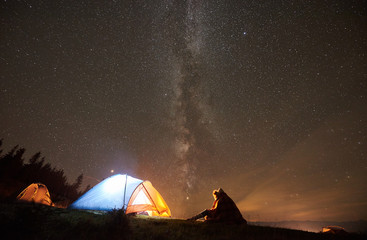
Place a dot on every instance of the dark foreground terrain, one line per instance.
(28, 221)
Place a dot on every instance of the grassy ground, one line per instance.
(27, 221)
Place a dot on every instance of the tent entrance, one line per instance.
(147, 200)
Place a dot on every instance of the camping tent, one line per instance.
(334, 230)
(122, 191)
(37, 193)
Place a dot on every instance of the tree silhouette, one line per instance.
(78, 181)
(13, 169)
(12, 162)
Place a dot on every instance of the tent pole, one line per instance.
(150, 198)
(125, 193)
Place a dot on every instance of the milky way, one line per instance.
(188, 99)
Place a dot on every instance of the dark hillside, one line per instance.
(316, 226)
(29, 221)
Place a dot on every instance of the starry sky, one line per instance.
(265, 99)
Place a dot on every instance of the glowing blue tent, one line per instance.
(122, 191)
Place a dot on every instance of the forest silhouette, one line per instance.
(16, 173)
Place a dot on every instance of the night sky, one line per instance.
(266, 99)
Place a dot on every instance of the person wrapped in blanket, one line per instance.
(223, 210)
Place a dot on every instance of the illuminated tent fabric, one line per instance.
(122, 191)
(37, 193)
(112, 193)
(147, 199)
(333, 230)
